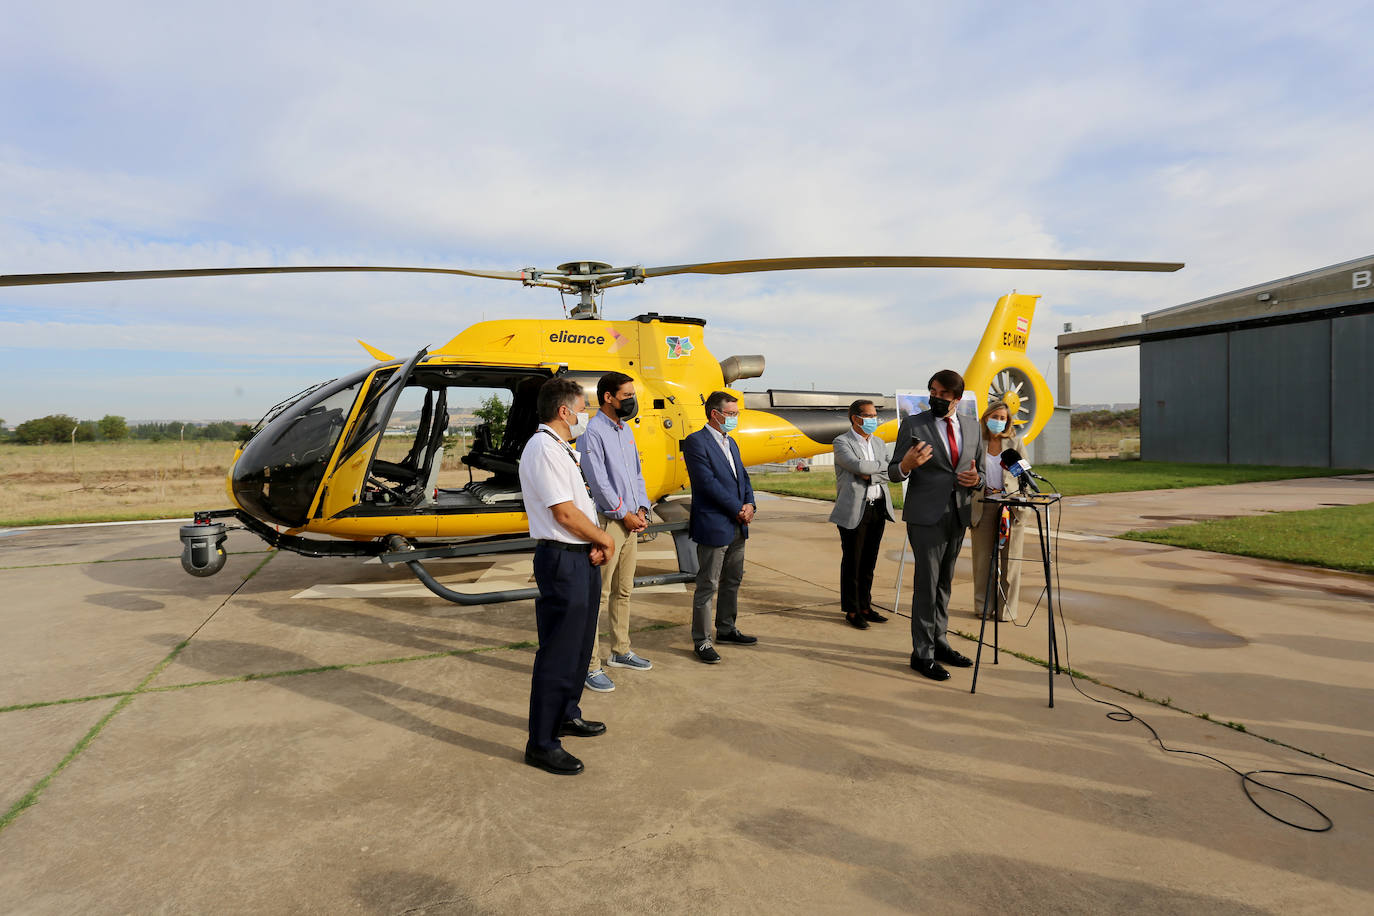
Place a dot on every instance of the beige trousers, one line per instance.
(984, 537)
(617, 579)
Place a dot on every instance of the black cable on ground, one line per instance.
(1120, 713)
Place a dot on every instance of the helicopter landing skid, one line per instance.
(203, 553)
(414, 558)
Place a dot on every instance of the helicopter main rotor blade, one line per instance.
(103, 276)
(764, 264)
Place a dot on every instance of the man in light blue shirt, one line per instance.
(611, 465)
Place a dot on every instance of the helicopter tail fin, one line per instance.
(376, 354)
(1001, 369)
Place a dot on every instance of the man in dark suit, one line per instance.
(942, 453)
(722, 508)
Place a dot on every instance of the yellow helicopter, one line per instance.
(312, 466)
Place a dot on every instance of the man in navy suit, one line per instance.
(722, 508)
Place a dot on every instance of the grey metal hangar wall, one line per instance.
(1280, 374)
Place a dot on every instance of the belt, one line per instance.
(564, 545)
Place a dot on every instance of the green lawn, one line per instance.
(1077, 479)
(1341, 537)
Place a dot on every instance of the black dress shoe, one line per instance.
(873, 616)
(581, 728)
(736, 637)
(952, 657)
(556, 761)
(857, 621)
(928, 667)
(707, 654)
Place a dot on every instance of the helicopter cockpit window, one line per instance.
(283, 466)
(434, 428)
(370, 418)
(411, 452)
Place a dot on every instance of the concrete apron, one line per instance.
(814, 772)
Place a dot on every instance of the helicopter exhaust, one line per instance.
(735, 368)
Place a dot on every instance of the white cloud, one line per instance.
(167, 135)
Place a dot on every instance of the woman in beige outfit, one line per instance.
(998, 434)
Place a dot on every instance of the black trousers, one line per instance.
(565, 614)
(858, 555)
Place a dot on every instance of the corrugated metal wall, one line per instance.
(1183, 402)
(1295, 394)
(1352, 384)
(1280, 395)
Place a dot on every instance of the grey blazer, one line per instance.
(928, 491)
(850, 487)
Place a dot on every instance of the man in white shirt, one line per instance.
(863, 507)
(571, 548)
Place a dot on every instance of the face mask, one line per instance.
(730, 423)
(997, 425)
(628, 408)
(578, 428)
(870, 425)
(939, 406)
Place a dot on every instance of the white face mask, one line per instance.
(580, 426)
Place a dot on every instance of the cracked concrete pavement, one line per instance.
(372, 764)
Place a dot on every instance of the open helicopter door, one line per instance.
(1001, 369)
(344, 486)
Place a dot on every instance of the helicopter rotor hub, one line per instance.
(584, 279)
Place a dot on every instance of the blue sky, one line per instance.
(1232, 136)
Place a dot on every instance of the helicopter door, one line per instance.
(344, 488)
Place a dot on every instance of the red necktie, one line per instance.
(953, 445)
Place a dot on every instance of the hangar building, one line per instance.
(1279, 373)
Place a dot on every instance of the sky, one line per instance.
(1232, 136)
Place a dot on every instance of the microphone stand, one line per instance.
(1035, 502)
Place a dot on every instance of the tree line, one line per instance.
(59, 427)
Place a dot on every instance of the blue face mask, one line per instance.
(870, 425)
(730, 424)
(997, 425)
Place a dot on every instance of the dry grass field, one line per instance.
(1101, 441)
(114, 481)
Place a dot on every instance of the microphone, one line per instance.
(1020, 469)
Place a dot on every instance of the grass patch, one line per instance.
(1097, 475)
(1079, 478)
(1340, 537)
(86, 517)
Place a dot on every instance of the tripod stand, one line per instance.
(992, 594)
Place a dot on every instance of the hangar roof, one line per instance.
(1327, 290)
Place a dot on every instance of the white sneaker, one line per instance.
(629, 660)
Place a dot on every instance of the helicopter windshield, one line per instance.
(283, 465)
